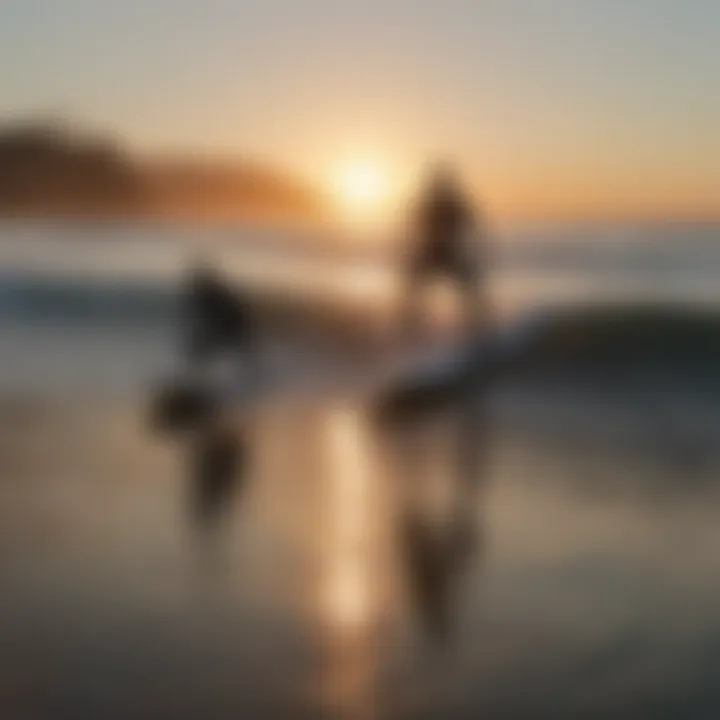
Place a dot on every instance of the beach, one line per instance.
(547, 548)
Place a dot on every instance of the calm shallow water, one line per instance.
(448, 567)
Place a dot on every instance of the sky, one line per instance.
(548, 107)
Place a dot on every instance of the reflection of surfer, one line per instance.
(216, 467)
(443, 223)
(436, 557)
(437, 552)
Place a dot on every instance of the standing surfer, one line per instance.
(218, 319)
(444, 222)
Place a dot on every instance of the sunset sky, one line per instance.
(549, 107)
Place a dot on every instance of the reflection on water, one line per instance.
(217, 465)
(350, 591)
(450, 566)
(439, 529)
(349, 526)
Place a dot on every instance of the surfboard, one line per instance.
(426, 379)
(190, 398)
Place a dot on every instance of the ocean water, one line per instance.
(530, 549)
(77, 289)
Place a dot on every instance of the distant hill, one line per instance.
(48, 170)
(195, 188)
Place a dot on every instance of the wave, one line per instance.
(622, 353)
(88, 301)
(639, 341)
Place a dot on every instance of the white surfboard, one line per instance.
(430, 373)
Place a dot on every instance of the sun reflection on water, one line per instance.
(353, 599)
(347, 593)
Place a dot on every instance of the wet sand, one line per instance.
(444, 567)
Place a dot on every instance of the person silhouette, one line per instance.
(220, 331)
(219, 354)
(218, 319)
(443, 222)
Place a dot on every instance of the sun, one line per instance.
(362, 187)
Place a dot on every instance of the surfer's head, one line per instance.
(202, 271)
(442, 177)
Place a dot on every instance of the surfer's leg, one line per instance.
(476, 310)
(411, 300)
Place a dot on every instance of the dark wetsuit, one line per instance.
(443, 221)
(217, 318)
(443, 250)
